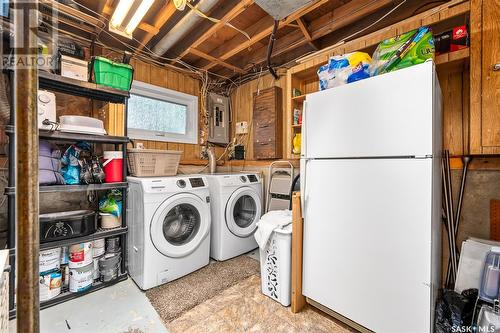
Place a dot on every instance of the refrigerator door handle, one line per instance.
(303, 181)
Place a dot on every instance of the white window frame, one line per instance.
(172, 96)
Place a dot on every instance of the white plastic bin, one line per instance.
(275, 268)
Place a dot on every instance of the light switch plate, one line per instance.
(242, 127)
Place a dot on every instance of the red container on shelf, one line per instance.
(113, 166)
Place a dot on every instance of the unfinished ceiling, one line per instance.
(238, 42)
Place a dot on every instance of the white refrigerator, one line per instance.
(371, 199)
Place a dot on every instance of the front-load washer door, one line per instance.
(243, 211)
(180, 224)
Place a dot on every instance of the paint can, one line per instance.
(112, 245)
(97, 274)
(109, 266)
(80, 279)
(49, 260)
(64, 255)
(98, 248)
(50, 285)
(80, 255)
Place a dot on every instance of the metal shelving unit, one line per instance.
(73, 188)
(73, 87)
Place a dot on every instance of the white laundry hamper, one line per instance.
(276, 266)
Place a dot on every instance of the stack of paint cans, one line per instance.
(81, 267)
(98, 251)
(50, 273)
(78, 266)
(109, 264)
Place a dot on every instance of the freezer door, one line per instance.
(367, 241)
(387, 115)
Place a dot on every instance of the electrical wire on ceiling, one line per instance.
(270, 47)
(214, 20)
(222, 85)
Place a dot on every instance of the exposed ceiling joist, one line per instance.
(344, 15)
(266, 32)
(71, 16)
(165, 13)
(217, 61)
(148, 28)
(233, 13)
(302, 26)
(340, 17)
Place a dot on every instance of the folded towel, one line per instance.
(275, 219)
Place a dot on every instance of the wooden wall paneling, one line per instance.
(466, 108)
(490, 86)
(158, 76)
(451, 87)
(242, 102)
(475, 76)
(170, 79)
(141, 71)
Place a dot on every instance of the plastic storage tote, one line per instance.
(112, 74)
(276, 267)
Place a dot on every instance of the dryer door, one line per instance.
(180, 224)
(243, 211)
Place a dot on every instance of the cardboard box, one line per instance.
(74, 68)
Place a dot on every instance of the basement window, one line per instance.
(160, 114)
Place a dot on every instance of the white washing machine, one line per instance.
(169, 228)
(236, 204)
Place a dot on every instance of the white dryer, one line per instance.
(236, 204)
(169, 228)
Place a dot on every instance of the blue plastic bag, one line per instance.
(71, 164)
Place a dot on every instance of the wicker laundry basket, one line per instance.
(152, 162)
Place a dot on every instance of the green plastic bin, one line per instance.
(112, 74)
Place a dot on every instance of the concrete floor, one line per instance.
(118, 309)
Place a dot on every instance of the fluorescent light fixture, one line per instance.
(120, 13)
(138, 15)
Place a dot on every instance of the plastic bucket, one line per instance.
(113, 245)
(80, 279)
(113, 166)
(109, 265)
(110, 221)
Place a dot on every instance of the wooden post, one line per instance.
(298, 300)
(27, 243)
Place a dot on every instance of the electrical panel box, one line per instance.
(218, 108)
